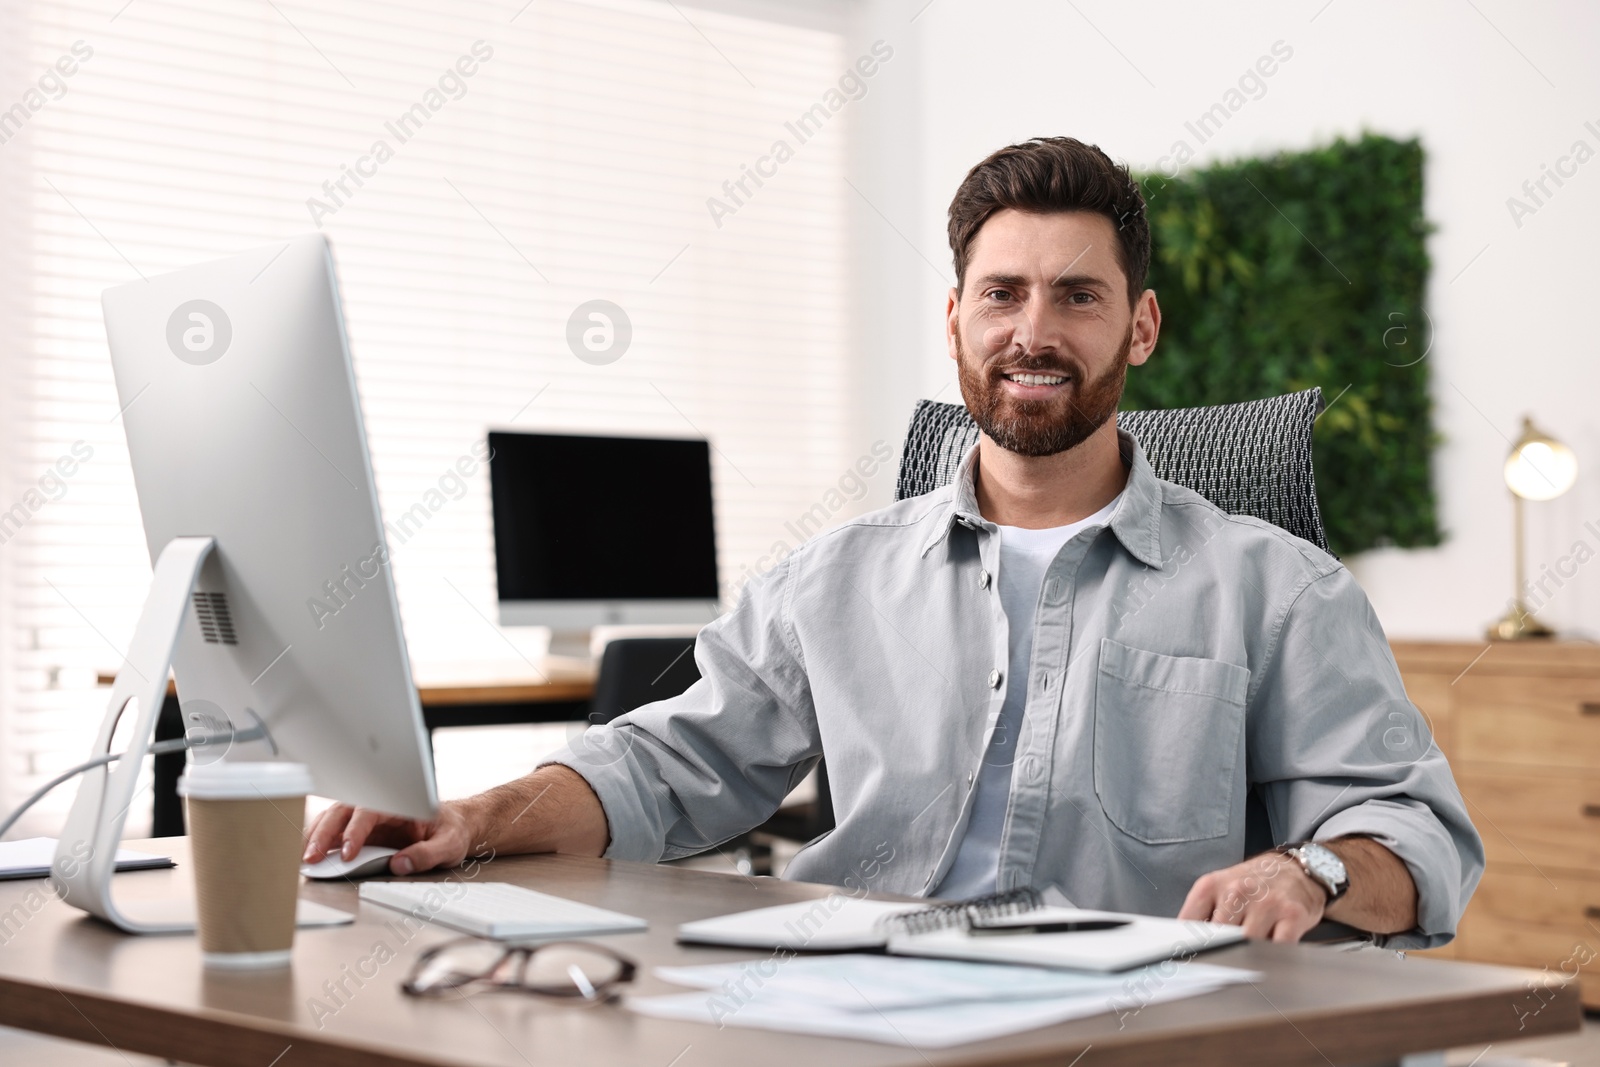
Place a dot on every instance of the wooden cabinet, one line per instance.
(1520, 724)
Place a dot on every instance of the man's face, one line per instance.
(1042, 333)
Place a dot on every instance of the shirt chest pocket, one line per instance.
(1166, 742)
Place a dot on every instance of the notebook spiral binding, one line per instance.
(965, 914)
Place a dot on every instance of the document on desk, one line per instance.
(31, 858)
(913, 1002)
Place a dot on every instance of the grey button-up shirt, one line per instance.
(1202, 686)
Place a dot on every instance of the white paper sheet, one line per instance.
(885, 983)
(916, 1003)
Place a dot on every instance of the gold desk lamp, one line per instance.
(1538, 468)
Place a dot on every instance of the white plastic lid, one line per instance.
(244, 781)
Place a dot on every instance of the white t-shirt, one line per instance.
(1025, 555)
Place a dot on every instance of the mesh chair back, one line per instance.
(1252, 458)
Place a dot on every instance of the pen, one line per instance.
(1076, 926)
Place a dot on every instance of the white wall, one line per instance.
(1494, 91)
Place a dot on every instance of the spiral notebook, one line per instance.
(1012, 927)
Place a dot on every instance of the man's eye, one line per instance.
(1081, 298)
(999, 296)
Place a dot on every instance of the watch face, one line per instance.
(1325, 866)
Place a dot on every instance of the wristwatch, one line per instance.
(1322, 864)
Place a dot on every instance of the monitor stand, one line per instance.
(86, 853)
(570, 644)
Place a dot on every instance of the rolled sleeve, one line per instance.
(1337, 749)
(683, 775)
(1439, 867)
(636, 831)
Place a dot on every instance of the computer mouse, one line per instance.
(372, 859)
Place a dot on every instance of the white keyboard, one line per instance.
(499, 910)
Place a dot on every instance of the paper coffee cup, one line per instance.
(245, 841)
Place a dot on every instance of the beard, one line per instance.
(1041, 427)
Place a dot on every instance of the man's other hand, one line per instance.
(443, 842)
(1270, 895)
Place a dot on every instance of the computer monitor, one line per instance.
(272, 597)
(592, 530)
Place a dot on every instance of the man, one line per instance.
(1058, 671)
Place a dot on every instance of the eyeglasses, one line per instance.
(553, 969)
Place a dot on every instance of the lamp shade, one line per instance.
(1540, 467)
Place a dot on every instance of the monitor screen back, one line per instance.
(243, 424)
(580, 518)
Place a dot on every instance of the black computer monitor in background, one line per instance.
(595, 530)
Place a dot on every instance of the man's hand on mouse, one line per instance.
(551, 810)
(443, 842)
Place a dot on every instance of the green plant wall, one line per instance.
(1307, 268)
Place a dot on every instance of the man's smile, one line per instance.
(1033, 385)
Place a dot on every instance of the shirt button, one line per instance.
(994, 679)
(1051, 588)
(1044, 680)
(983, 578)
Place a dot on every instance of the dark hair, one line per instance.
(1050, 174)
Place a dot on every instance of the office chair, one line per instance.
(638, 671)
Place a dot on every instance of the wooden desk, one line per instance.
(454, 703)
(64, 974)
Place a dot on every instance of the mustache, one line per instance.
(1009, 359)
(999, 365)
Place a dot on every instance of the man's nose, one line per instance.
(1022, 332)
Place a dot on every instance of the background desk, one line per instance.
(65, 974)
(504, 703)
(444, 703)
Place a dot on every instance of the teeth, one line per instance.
(1037, 379)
